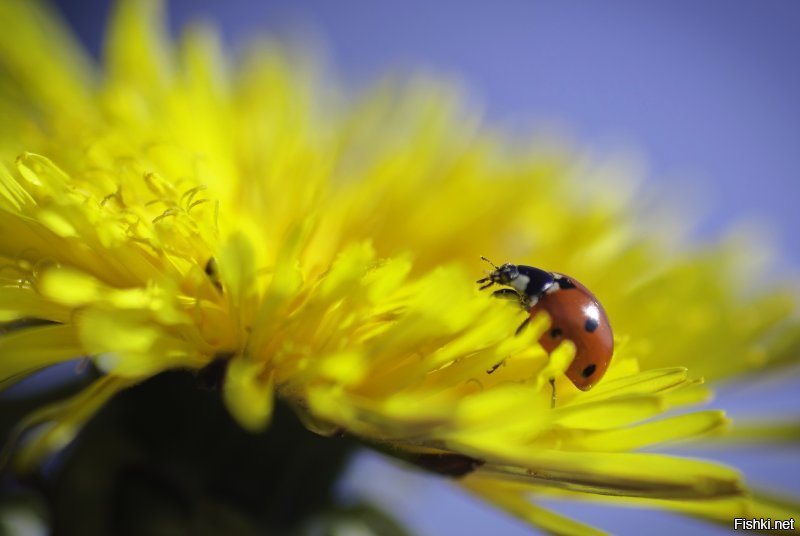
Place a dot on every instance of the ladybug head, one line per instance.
(505, 274)
(501, 275)
(528, 282)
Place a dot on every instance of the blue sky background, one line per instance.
(707, 91)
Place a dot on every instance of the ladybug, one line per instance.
(575, 313)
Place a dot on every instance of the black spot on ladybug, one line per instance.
(556, 333)
(591, 325)
(588, 371)
(565, 283)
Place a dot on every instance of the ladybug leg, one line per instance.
(511, 294)
(485, 282)
(507, 294)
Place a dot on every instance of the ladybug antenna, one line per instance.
(488, 280)
(490, 262)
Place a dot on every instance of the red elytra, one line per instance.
(576, 315)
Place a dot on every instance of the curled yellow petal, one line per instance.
(248, 393)
(53, 427)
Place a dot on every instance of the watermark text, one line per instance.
(763, 523)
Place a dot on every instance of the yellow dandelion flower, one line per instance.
(171, 212)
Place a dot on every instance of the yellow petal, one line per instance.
(70, 287)
(649, 381)
(136, 50)
(17, 303)
(58, 74)
(514, 501)
(680, 427)
(53, 427)
(346, 367)
(610, 413)
(743, 432)
(559, 362)
(29, 349)
(128, 344)
(477, 415)
(248, 393)
(12, 195)
(621, 474)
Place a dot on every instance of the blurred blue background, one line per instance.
(707, 91)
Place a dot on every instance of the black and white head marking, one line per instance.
(560, 282)
(529, 283)
(534, 282)
(501, 275)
